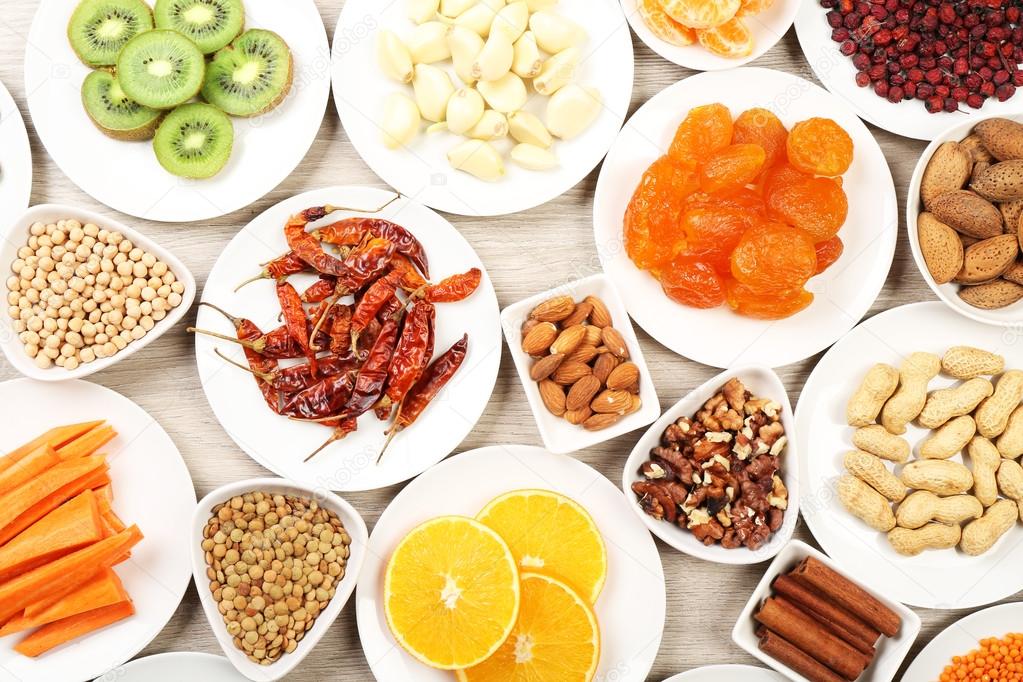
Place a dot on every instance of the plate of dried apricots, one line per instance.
(710, 35)
(746, 225)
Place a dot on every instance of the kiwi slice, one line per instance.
(100, 28)
(160, 69)
(250, 76)
(115, 113)
(211, 24)
(194, 140)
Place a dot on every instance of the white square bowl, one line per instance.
(763, 382)
(16, 236)
(558, 435)
(891, 651)
(353, 523)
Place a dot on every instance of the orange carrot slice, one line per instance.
(28, 467)
(72, 525)
(25, 496)
(87, 444)
(56, 437)
(107, 492)
(96, 479)
(104, 589)
(62, 631)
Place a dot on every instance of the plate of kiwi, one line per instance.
(177, 110)
(15, 161)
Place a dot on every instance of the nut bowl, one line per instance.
(15, 236)
(763, 383)
(353, 524)
(948, 293)
(560, 436)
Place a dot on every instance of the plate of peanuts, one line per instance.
(910, 432)
(363, 349)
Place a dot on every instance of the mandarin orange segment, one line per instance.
(731, 39)
(817, 205)
(663, 26)
(713, 231)
(762, 127)
(731, 168)
(751, 7)
(749, 303)
(651, 230)
(693, 283)
(701, 14)
(772, 258)
(705, 129)
(820, 146)
(828, 253)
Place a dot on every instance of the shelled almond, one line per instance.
(581, 362)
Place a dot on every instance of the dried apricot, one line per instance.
(817, 205)
(749, 303)
(750, 7)
(828, 252)
(744, 198)
(705, 129)
(733, 167)
(820, 146)
(731, 39)
(762, 127)
(651, 225)
(782, 175)
(663, 26)
(693, 283)
(712, 232)
(771, 258)
(701, 13)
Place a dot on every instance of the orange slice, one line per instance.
(701, 13)
(663, 26)
(556, 638)
(549, 533)
(451, 592)
(751, 7)
(731, 39)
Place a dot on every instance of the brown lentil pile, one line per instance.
(274, 562)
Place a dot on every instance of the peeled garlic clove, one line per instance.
(433, 89)
(492, 126)
(557, 72)
(512, 20)
(495, 59)
(394, 57)
(452, 8)
(506, 94)
(428, 43)
(537, 5)
(465, 46)
(465, 109)
(533, 158)
(571, 110)
(528, 129)
(400, 120)
(526, 61)
(479, 17)
(421, 11)
(478, 158)
(554, 32)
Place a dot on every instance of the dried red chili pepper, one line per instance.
(294, 319)
(367, 307)
(306, 246)
(411, 280)
(411, 355)
(282, 266)
(274, 345)
(365, 264)
(298, 377)
(340, 330)
(320, 290)
(350, 231)
(324, 398)
(454, 288)
(369, 385)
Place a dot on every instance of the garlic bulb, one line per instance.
(465, 45)
(477, 158)
(495, 59)
(394, 57)
(400, 120)
(571, 110)
(428, 43)
(528, 129)
(533, 158)
(421, 11)
(433, 89)
(512, 20)
(492, 126)
(557, 71)
(526, 61)
(465, 109)
(507, 94)
(554, 32)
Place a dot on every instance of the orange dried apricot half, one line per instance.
(651, 226)
(828, 253)
(731, 39)
(705, 129)
(762, 127)
(701, 13)
(663, 26)
(817, 205)
(820, 146)
(749, 303)
(772, 258)
(733, 167)
(693, 283)
(712, 232)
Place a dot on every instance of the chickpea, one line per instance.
(91, 230)
(43, 361)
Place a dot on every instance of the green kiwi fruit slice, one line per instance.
(211, 24)
(100, 28)
(194, 140)
(250, 76)
(115, 113)
(160, 69)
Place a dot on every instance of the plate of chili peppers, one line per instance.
(348, 338)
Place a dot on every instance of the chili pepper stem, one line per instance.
(258, 346)
(329, 208)
(334, 437)
(391, 433)
(231, 318)
(319, 323)
(262, 375)
(262, 275)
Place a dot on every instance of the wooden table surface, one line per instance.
(524, 253)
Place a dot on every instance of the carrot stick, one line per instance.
(55, 438)
(104, 589)
(97, 478)
(72, 525)
(22, 498)
(59, 632)
(87, 444)
(106, 492)
(28, 467)
(110, 518)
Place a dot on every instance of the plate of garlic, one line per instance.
(482, 107)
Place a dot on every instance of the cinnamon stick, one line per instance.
(838, 620)
(783, 651)
(782, 616)
(848, 595)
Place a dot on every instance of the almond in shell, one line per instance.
(545, 366)
(975, 146)
(582, 392)
(941, 248)
(947, 171)
(553, 397)
(600, 316)
(979, 168)
(539, 339)
(598, 422)
(992, 295)
(553, 309)
(1011, 213)
(604, 365)
(1014, 273)
(612, 402)
(570, 372)
(968, 213)
(623, 376)
(614, 341)
(1001, 182)
(988, 259)
(569, 339)
(1002, 137)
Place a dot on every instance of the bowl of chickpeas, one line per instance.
(84, 291)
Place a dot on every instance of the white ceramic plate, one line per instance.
(175, 666)
(962, 637)
(837, 73)
(281, 444)
(16, 235)
(152, 488)
(844, 292)
(15, 161)
(763, 383)
(630, 608)
(126, 175)
(945, 579)
(948, 293)
(558, 435)
(732, 671)
(767, 28)
(421, 170)
(353, 524)
(891, 651)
